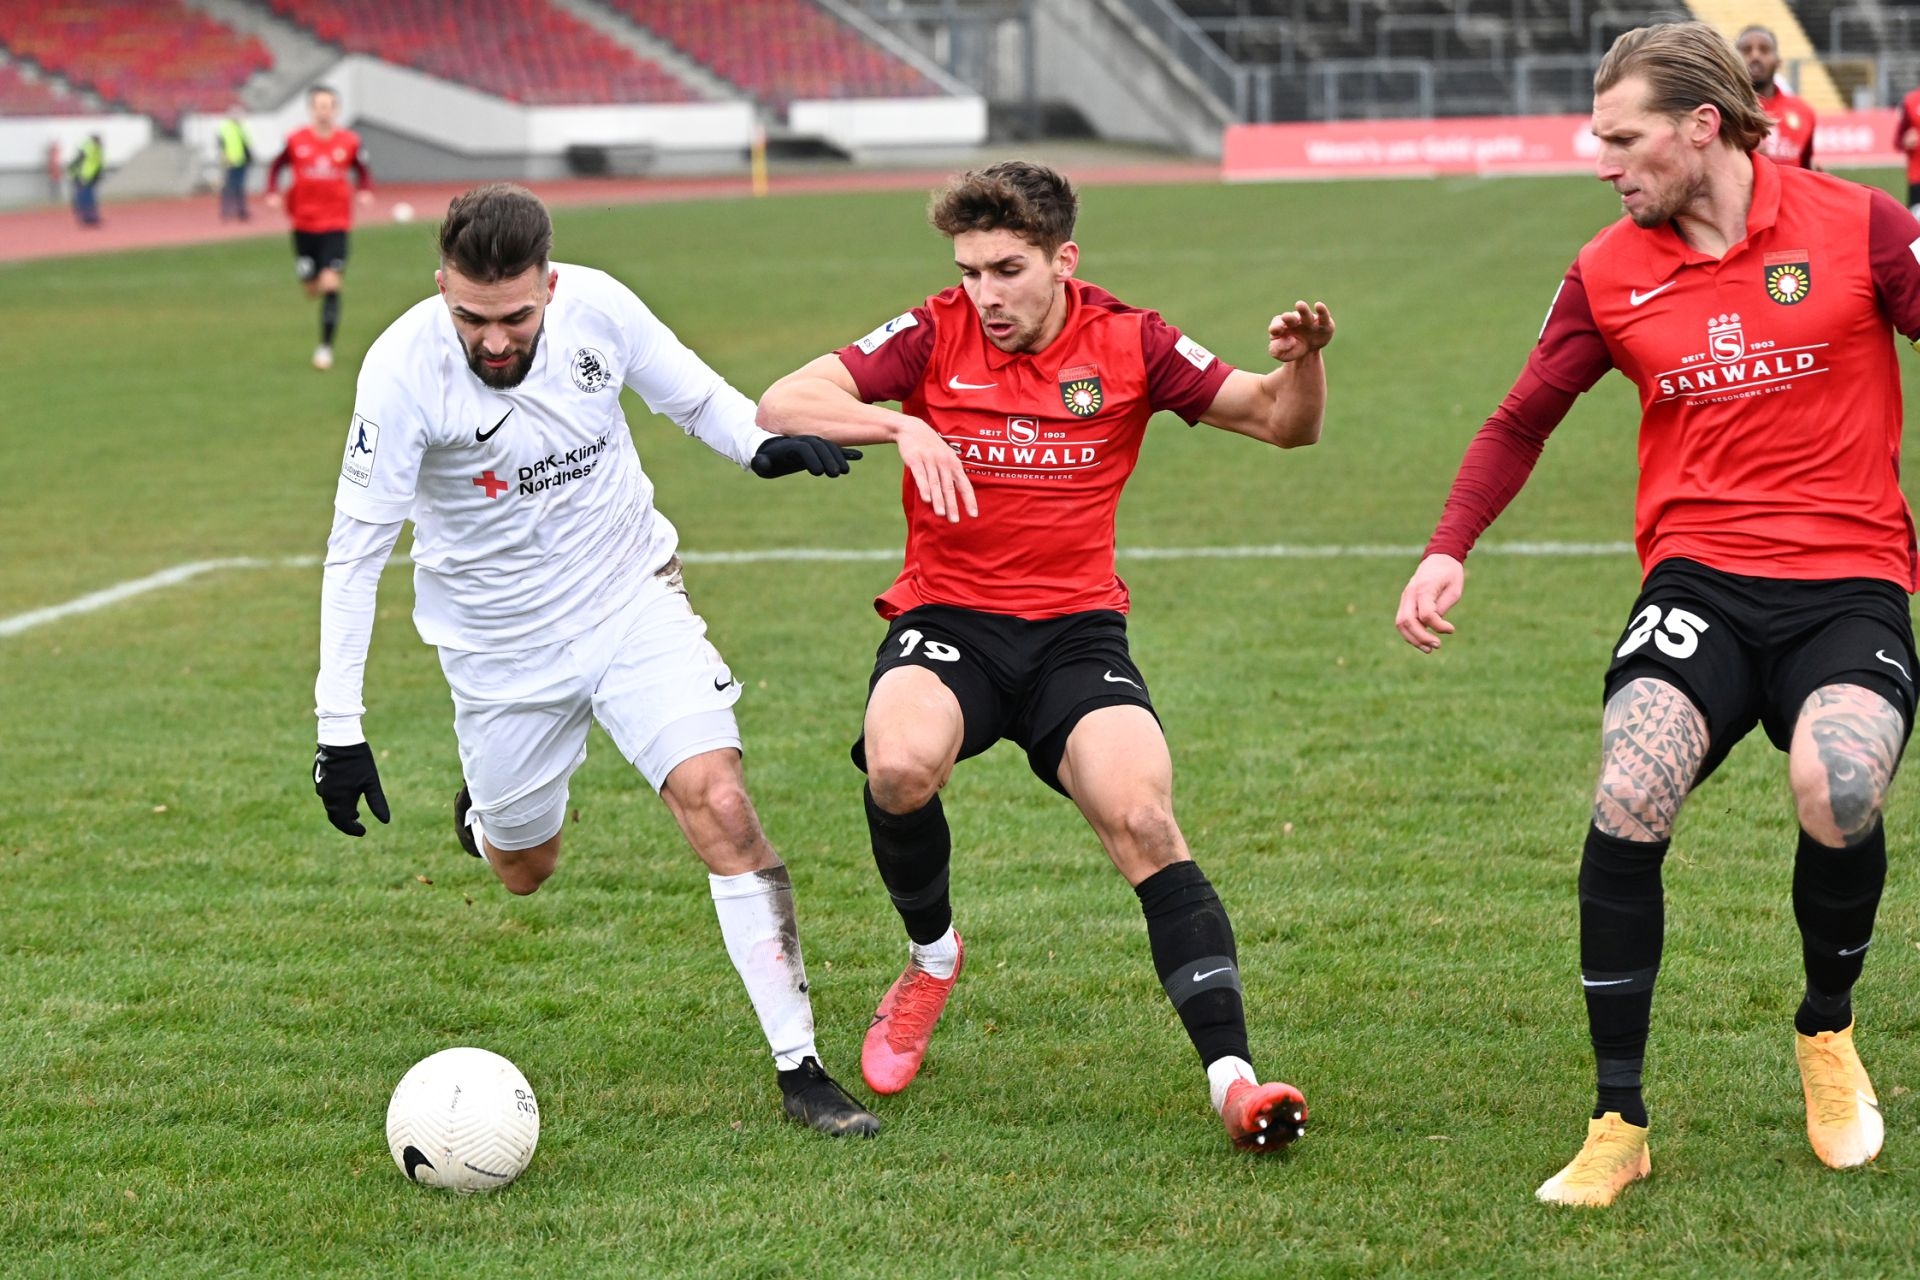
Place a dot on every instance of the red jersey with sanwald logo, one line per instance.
(321, 197)
(1769, 384)
(1048, 440)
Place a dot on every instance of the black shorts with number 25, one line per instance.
(1750, 651)
(1027, 681)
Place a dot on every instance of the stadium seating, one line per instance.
(20, 96)
(156, 57)
(779, 50)
(523, 50)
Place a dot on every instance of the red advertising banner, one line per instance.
(1486, 145)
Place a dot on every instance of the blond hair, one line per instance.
(1687, 65)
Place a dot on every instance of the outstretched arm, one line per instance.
(821, 399)
(343, 768)
(1284, 406)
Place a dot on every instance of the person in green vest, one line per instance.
(85, 169)
(235, 153)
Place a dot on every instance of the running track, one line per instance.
(50, 232)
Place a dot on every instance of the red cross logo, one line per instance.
(492, 483)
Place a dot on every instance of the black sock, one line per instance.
(1836, 894)
(329, 316)
(1622, 921)
(1193, 952)
(912, 851)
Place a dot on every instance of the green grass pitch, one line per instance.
(206, 994)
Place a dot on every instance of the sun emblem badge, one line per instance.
(1080, 390)
(1789, 276)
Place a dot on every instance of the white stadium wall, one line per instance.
(24, 141)
(866, 125)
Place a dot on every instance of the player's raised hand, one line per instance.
(1435, 587)
(273, 199)
(341, 775)
(936, 470)
(1300, 331)
(816, 455)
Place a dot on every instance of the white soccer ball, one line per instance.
(402, 211)
(464, 1119)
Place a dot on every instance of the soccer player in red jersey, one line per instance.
(1906, 137)
(1752, 305)
(1025, 394)
(320, 203)
(1791, 141)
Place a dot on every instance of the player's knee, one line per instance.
(522, 871)
(1836, 808)
(1150, 833)
(900, 781)
(1620, 801)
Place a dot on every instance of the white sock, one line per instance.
(1222, 1072)
(938, 959)
(763, 941)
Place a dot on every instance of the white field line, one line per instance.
(96, 600)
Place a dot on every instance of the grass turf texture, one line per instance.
(206, 995)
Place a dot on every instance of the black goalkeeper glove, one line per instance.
(784, 455)
(341, 775)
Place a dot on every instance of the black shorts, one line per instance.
(317, 251)
(1913, 195)
(1750, 651)
(1029, 682)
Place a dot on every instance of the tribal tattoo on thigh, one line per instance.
(1857, 735)
(1652, 742)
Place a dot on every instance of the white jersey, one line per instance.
(532, 518)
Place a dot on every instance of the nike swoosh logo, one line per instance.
(483, 436)
(1114, 679)
(1857, 950)
(1610, 982)
(316, 773)
(1871, 1102)
(415, 1158)
(721, 686)
(1202, 977)
(1882, 655)
(954, 384)
(1637, 297)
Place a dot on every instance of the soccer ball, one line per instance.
(464, 1119)
(402, 211)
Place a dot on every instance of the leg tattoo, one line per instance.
(1856, 737)
(1653, 740)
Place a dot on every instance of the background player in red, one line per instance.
(1751, 304)
(1906, 136)
(1791, 141)
(1025, 394)
(320, 203)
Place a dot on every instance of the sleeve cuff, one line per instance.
(340, 731)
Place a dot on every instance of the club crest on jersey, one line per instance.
(591, 372)
(1789, 276)
(1726, 341)
(1080, 390)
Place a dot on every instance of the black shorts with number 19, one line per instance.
(1750, 651)
(1029, 682)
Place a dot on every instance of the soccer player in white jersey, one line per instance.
(490, 417)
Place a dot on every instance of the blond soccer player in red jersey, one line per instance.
(320, 204)
(1025, 394)
(1791, 139)
(1752, 305)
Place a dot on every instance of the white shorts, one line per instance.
(647, 673)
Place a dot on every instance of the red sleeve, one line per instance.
(1567, 360)
(280, 162)
(1183, 377)
(1570, 354)
(1893, 241)
(1499, 460)
(888, 363)
(362, 176)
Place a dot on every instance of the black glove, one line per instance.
(784, 455)
(341, 775)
